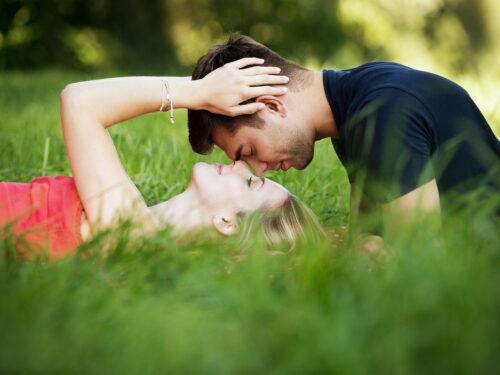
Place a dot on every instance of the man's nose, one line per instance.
(259, 167)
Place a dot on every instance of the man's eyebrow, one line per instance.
(238, 153)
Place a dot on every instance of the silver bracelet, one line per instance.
(167, 100)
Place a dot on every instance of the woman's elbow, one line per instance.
(74, 104)
(70, 95)
(76, 96)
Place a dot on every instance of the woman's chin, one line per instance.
(203, 173)
(199, 172)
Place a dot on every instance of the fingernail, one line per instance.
(286, 79)
(284, 89)
(261, 106)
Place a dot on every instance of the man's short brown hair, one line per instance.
(200, 122)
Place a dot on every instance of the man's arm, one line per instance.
(359, 210)
(359, 206)
(412, 206)
(408, 208)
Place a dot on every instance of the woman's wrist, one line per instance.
(187, 93)
(223, 90)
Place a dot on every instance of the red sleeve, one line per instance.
(44, 213)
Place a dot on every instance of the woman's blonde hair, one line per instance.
(285, 225)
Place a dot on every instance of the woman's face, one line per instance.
(234, 189)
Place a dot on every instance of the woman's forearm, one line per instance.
(110, 101)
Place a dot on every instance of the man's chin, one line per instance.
(303, 164)
(305, 156)
(301, 167)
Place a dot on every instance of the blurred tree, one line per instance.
(103, 33)
(434, 34)
(82, 33)
(305, 31)
(437, 34)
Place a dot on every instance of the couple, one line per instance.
(407, 138)
(58, 213)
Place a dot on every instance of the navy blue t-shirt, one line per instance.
(400, 128)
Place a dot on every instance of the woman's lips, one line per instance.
(218, 168)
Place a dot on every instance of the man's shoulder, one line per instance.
(369, 67)
(358, 85)
(380, 72)
(350, 85)
(382, 65)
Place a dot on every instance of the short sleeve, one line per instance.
(388, 143)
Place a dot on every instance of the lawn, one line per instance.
(159, 306)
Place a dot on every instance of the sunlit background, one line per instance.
(459, 39)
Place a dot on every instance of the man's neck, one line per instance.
(314, 106)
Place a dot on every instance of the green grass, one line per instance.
(157, 306)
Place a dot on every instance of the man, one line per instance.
(408, 139)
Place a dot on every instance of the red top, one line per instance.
(46, 212)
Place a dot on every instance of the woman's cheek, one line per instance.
(234, 185)
(231, 190)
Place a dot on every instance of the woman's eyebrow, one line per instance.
(263, 182)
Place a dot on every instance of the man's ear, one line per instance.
(225, 224)
(273, 104)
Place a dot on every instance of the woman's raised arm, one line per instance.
(118, 99)
(88, 108)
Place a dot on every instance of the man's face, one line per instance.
(279, 144)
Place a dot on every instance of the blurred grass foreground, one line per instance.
(159, 306)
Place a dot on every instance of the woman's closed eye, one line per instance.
(255, 183)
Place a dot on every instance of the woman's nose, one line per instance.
(258, 167)
(240, 165)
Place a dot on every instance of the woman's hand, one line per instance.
(222, 90)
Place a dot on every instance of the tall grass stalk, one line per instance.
(46, 151)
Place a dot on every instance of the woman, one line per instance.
(58, 213)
